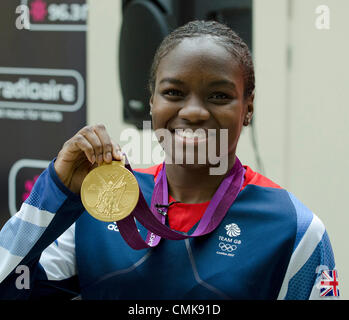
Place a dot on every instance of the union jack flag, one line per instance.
(329, 283)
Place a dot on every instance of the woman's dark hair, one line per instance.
(222, 34)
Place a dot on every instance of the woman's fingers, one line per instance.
(117, 153)
(89, 135)
(95, 143)
(100, 141)
(106, 143)
(83, 144)
(91, 144)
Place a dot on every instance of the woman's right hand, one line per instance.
(88, 148)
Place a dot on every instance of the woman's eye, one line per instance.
(219, 96)
(173, 93)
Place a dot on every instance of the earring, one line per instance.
(150, 113)
(247, 120)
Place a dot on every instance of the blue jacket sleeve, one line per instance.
(48, 212)
(312, 258)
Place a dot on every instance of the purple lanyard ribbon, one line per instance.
(154, 222)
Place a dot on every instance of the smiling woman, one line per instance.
(202, 84)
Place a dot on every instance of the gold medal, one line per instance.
(110, 192)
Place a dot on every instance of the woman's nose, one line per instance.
(194, 110)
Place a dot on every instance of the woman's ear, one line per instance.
(249, 112)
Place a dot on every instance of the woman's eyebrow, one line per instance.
(211, 84)
(222, 82)
(171, 80)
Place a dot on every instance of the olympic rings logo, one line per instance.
(227, 247)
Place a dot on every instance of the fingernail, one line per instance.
(100, 158)
(93, 159)
(108, 156)
(119, 154)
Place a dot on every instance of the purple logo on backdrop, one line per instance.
(28, 186)
(57, 15)
(38, 10)
(22, 177)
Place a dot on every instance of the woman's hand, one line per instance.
(88, 148)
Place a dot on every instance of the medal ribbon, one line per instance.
(154, 222)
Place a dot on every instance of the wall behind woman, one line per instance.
(300, 106)
(302, 113)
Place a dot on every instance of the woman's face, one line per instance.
(200, 85)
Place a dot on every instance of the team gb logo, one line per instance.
(232, 230)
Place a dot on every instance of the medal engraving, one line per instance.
(110, 192)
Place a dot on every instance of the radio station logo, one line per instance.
(28, 186)
(53, 15)
(41, 89)
(22, 177)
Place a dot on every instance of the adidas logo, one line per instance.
(113, 227)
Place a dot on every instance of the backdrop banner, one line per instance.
(42, 89)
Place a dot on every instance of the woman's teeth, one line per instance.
(189, 134)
